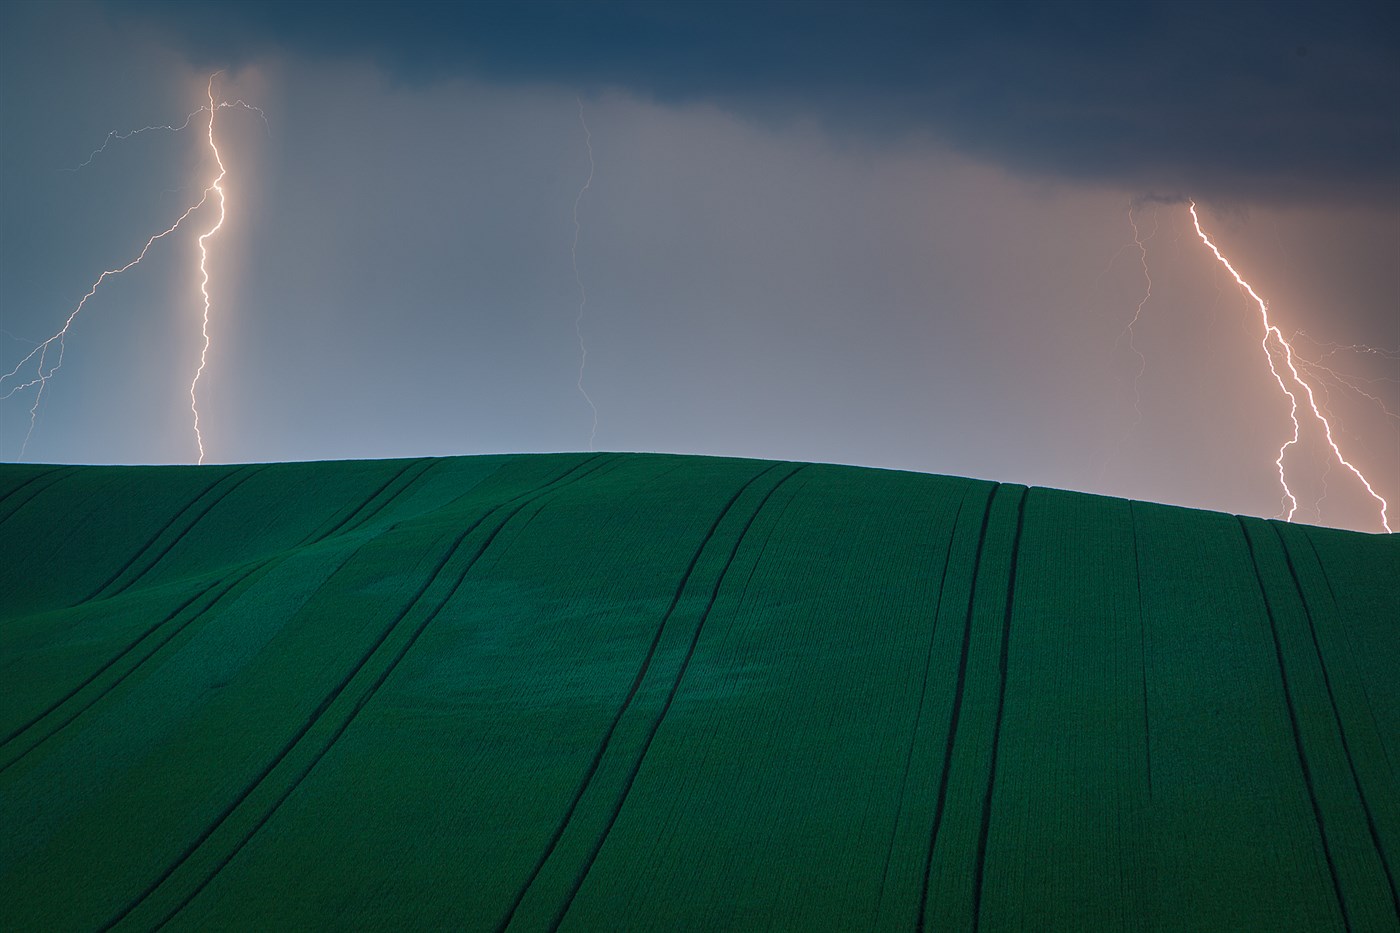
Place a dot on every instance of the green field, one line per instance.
(626, 691)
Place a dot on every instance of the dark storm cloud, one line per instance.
(1231, 100)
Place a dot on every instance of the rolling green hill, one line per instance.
(596, 692)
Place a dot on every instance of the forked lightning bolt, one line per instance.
(582, 292)
(1285, 350)
(39, 356)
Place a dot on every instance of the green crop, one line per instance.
(597, 692)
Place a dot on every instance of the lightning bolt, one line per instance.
(216, 187)
(57, 344)
(1284, 349)
(578, 280)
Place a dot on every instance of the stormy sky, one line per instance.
(879, 233)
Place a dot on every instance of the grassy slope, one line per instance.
(687, 693)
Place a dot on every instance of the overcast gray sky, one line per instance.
(882, 234)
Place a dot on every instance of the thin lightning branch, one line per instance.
(1382, 352)
(116, 136)
(1348, 381)
(1129, 330)
(582, 292)
(1286, 351)
(1326, 472)
(1141, 243)
(1386, 353)
(204, 268)
(1352, 377)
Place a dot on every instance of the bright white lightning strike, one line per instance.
(216, 187)
(1286, 349)
(582, 292)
